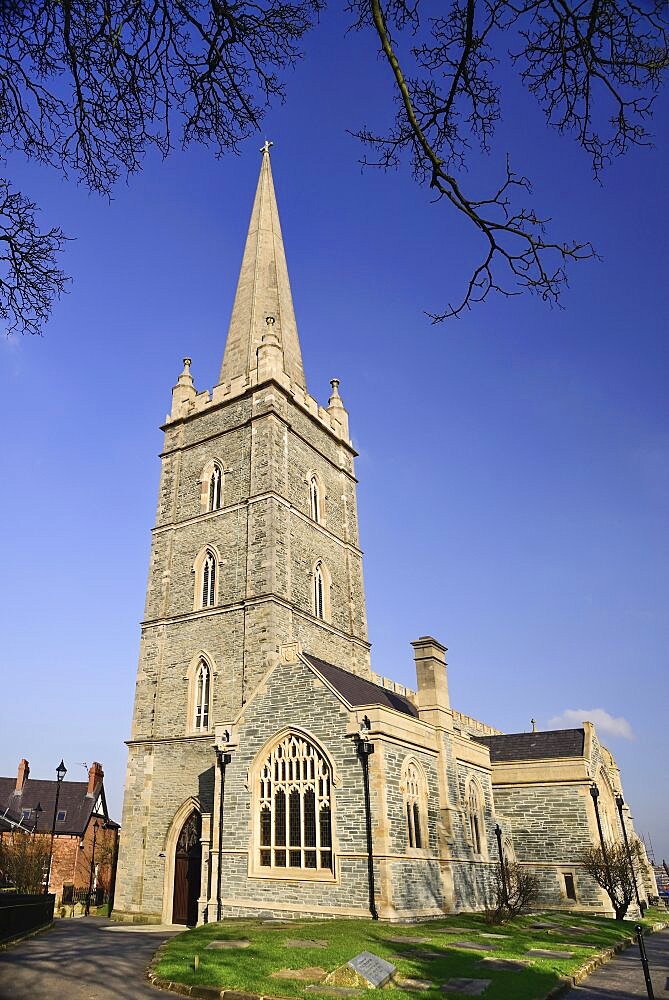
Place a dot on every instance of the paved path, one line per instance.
(88, 958)
(622, 977)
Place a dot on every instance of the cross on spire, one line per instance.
(265, 147)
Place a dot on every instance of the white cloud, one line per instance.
(605, 722)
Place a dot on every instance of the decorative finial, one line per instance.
(265, 147)
(334, 382)
(534, 725)
(187, 363)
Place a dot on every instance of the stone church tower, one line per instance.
(255, 544)
(270, 772)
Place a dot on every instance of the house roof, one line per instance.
(78, 806)
(357, 691)
(534, 746)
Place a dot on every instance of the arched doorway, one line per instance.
(187, 871)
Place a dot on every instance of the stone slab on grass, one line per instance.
(548, 953)
(374, 970)
(475, 945)
(454, 930)
(409, 940)
(466, 987)
(422, 953)
(306, 943)
(334, 991)
(496, 937)
(310, 974)
(503, 964)
(407, 983)
(224, 944)
(543, 925)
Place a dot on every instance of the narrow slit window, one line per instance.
(216, 488)
(319, 592)
(315, 500)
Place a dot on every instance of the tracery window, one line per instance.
(315, 500)
(208, 580)
(414, 804)
(202, 695)
(295, 807)
(216, 488)
(475, 817)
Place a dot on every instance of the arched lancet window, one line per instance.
(319, 591)
(208, 580)
(202, 689)
(415, 802)
(215, 488)
(315, 500)
(475, 817)
(294, 819)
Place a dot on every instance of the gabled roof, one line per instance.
(78, 806)
(551, 743)
(357, 691)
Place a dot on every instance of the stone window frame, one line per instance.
(562, 884)
(192, 676)
(321, 607)
(199, 569)
(271, 872)
(415, 798)
(475, 814)
(210, 468)
(316, 496)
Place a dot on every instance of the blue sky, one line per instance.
(514, 465)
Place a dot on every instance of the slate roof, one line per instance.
(552, 743)
(73, 799)
(357, 691)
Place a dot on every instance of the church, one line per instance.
(271, 772)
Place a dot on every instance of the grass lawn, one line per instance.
(249, 969)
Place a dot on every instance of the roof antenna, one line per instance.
(534, 725)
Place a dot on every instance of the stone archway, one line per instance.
(187, 871)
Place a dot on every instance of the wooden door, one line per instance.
(187, 872)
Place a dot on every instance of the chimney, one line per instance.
(95, 776)
(433, 700)
(22, 775)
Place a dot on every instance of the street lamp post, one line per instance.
(365, 747)
(620, 802)
(87, 910)
(61, 771)
(594, 792)
(498, 834)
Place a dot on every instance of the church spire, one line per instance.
(263, 300)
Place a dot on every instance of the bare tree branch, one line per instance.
(452, 98)
(29, 276)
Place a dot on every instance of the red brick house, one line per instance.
(28, 804)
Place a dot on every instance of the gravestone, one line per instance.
(500, 937)
(374, 970)
(413, 985)
(409, 940)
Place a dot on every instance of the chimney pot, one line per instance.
(95, 776)
(22, 774)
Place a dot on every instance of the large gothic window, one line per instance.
(215, 488)
(295, 808)
(202, 690)
(208, 580)
(415, 804)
